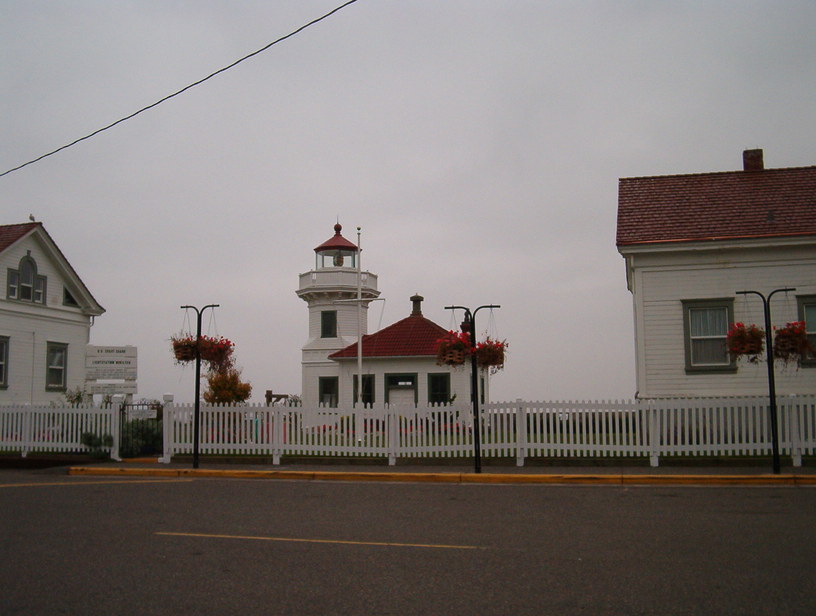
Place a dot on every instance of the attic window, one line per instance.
(68, 299)
(24, 284)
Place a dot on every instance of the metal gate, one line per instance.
(141, 430)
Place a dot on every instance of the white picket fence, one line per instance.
(627, 429)
(520, 430)
(25, 429)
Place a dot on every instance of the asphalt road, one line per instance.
(95, 545)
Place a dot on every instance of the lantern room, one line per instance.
(336, 252)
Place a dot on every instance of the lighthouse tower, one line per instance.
(337, 292)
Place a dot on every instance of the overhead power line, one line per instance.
(184, 89)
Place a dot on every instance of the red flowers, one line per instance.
(216, 351)
(454, 347)
(791, 342)
(745, 340)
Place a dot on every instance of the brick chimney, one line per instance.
(752, 160)
(417, 300)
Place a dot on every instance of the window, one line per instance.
(4, 356)
(328, 324)
(439, 388)
(68, 299)
(24, 284)
(56, 361)
(705, 327)
(807, 313)
(327, 390)
(367, 396)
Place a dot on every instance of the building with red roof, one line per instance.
(691, 243)
(397, 364)
(46, 313)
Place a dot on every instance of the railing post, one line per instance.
(521, 433)
(168, 429)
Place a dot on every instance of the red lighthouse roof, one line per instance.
(411, 337)
(337, 242)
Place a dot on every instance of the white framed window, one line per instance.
(56, 360)
(705, 328)
(24, 284)
(807, 313)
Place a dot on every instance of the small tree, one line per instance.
(225, 387)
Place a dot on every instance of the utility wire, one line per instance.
(184, 89)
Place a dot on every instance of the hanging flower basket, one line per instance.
(452, 349)
(216, 351)
(745, 341)
(490, 354)
(184, 349)
(791, 343)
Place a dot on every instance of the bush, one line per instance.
(98, 446)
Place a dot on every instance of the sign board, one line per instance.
(142, 413)
(110, 363)
(128, 387)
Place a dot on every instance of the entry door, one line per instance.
(401, 396)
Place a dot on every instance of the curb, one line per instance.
(466, 478)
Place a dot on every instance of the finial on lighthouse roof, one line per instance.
(338, 228)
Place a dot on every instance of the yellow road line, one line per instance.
(91, 483)
(336, 541)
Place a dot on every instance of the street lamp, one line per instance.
(766, 304)
(470, 322)
(197, 378)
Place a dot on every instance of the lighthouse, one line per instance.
(337, 293)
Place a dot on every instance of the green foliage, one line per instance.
(75, 397)
(141, 436)
(98, 446)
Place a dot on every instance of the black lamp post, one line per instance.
(197, 412)
(766, 304)
(470, 322)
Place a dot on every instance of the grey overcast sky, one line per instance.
(477, 143)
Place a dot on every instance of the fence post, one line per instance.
(277, 418)
(794, 415)
(115, 423)
(27, 430)
(521, 433)
(391, 422)
(168, 431)
(653, 434)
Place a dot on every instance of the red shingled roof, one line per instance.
(413, 336)
(11, 233)
(711, 206)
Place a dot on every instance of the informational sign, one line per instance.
(111, 389)
(110, 363)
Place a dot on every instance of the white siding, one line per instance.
(30, 327)
(661, 280)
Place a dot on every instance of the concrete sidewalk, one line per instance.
(463, 473)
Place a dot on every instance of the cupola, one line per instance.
(336, 252)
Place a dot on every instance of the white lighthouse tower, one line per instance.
(337, 292)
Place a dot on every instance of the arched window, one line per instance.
(25, 284)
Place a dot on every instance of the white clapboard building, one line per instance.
(46, 313)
